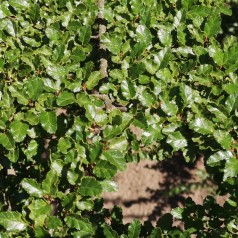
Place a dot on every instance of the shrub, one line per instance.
(72, 95)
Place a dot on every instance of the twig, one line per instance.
(102, 30)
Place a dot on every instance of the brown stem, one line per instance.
(102, 30)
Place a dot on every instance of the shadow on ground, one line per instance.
(149, 189)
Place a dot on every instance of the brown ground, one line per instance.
(150, 188)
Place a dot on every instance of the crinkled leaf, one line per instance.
(177, 140)
(213, 25)
(223, 138)
(216, 158)
(34, 88)
(177, 212)
(50, 183)
(65, 98)
(109, 186)
(93, 79)
(39, 211)
(90, 187)
(32, 187)
(128, 89)
(202, 126)
(85, 34)
(115, 157)
(85, 205)
(109, 232)
(19, 4)
(103, 169)
(231, 168)
(48, 121)
(6, 141)
(18, 130)
(31, 149)
(134, 229)
(12, 221)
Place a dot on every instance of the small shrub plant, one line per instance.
(87, 86)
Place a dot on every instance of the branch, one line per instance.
(102, 30)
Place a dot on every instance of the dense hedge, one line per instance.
(84, 90)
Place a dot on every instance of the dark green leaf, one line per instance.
(103, 169)
(50, 184)
(90, 187)
(213, 25)
(85, 34)
(65, 98)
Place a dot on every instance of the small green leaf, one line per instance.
(85, 34)
(223, 138)
(31, 149)
(19, 4)
(90, 187)
(40, 210)
(64, 144)
(169, 108)
(165, 37)
(176, 140)
(34, 88)
(202, 126)
(34, 13)
(12, 221)
(65, 98)
(231, 168)
(116, 158)
(109, 186)
(50, 184)
(216, 158)
(48, 121)
(6, 24)
(6, 141)
(143, 35)
(77, 222)
(85, 205)
(103, 169)
(32, 187)
(134, 229)
(177, 212)
(19, 130)
(128, 89)
(109, 232)
(93, 79)
(213, 25)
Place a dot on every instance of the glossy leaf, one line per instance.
(12, 221)
(19, 130)
(202, 125)
(48, 121)
(32, 187)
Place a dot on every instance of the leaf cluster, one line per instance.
(177, 82)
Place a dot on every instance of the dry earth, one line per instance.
(149, 189)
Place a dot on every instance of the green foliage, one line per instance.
(64, 132)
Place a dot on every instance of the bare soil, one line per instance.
(149, 189)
